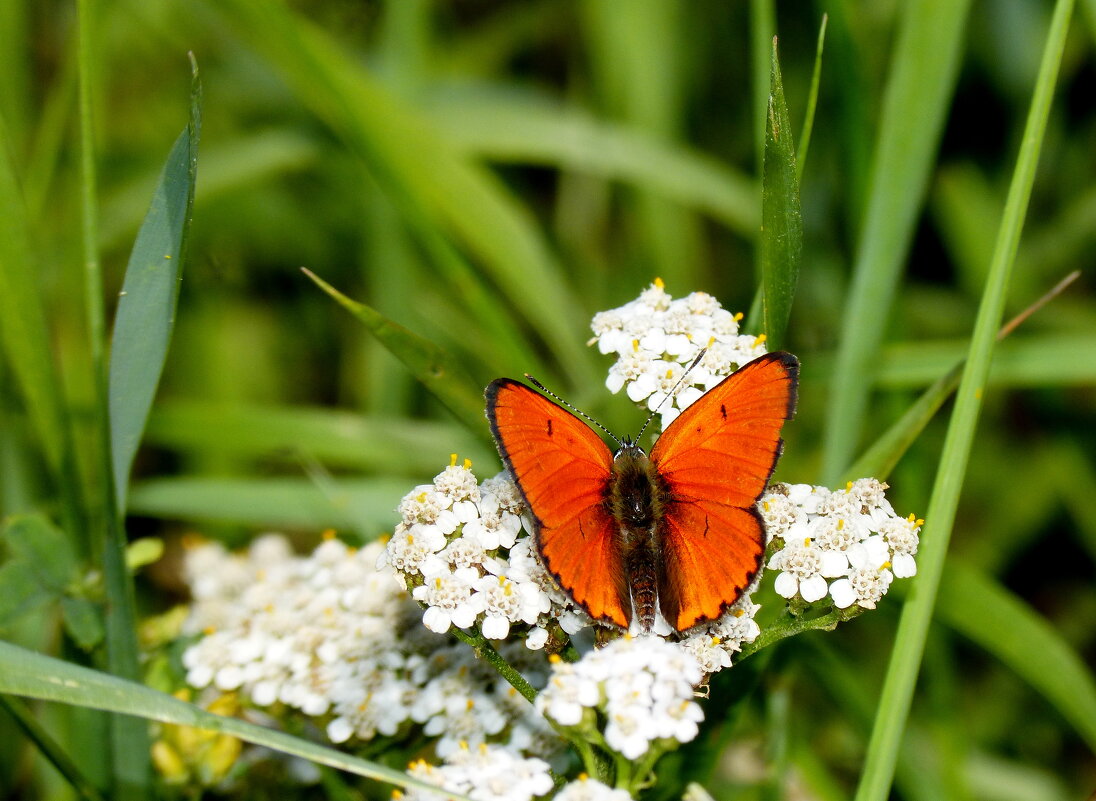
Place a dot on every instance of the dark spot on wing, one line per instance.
(723, 411)
(549, 426)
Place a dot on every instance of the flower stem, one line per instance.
(485, 650)
(789, 626)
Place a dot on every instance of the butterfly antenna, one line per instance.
(579, 412)
(673, 392)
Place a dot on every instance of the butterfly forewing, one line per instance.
(563, 469)
(714, 461)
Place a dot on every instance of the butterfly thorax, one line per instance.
(636, 497)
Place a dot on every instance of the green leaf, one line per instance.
(812, 102)
(42, 548)
(904, 665)
(20, 591)
(23, 331)
(142, 552)
(146, 308)
(83, 621)
(437, 370)
(34, 675)
(432, 186)
(781, 221)
(922, 77)
(365, 506)
(391, 446)
(526, 131)
(1001, 623)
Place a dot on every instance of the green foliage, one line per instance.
(485, 177)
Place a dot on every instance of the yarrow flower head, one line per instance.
(338, 640)
(852, 536)
(490, 773)
(463, 549)
(642, 687)
(655, 337)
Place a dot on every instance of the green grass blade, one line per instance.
(23, 330)
(762, 31)
(130, 762)
(50, 749)
(383, 445)
(364, 506)
(981, 609)
(909, 644)
(812, 102)
(146, 309)
(422, 174)
(34, 675)
(923, 74)
(528, 132)
(781, 220)
(437, 370)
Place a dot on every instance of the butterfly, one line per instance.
(627, 535)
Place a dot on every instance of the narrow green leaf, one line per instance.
(34, 675)
(433, 367)
(922, 77)
(427, 181)
(50, 749)
(83, 621)
(150, 294)
(23, 330)
(391, 446)
(781, 221)
(528, 131)
(812, 102)
(366, 506)
(898, 687)
(42, 548)
(879, 459)
(1000, 622)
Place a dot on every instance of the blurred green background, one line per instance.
(490, 174)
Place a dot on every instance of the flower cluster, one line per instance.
(851, 535)
(487, 772)
(331, 636)
(641, 686)
(464, 551)
(655, 339)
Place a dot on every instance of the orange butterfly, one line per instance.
(625, 534)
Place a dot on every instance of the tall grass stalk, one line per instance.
(909, 644)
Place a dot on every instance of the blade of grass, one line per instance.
(884, 454)
(978, 607)
(897, 694)
(33, 675)
(812, 103)
(50, 749)
(422, 175)
(762, 31)
(781, 220)
(436, 369)
(129, 753)
(530, 132)
(364, 506)
(389, 446)
(145, 318)
(923, 74)
(26, 340)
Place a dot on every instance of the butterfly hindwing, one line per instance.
(563, 470)
(714, 461)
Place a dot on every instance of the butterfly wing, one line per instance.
(563, 470)
(715, 460)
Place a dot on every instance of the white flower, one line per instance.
(803, 567)
(586, 789)
(852, 535)
(449, 599)
(642, 686)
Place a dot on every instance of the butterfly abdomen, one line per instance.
(635, 499)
